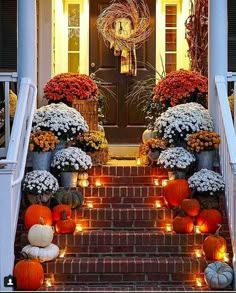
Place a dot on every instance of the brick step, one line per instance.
(121, 191)
(126, 180)
(125, 265)
(107, 170)
(126, 288)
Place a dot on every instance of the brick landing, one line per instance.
(124, 245)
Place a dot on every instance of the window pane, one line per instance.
(73, 62)
(171, 15)
(170, 62)
(171, 40)
(74, 15)
(73, 40)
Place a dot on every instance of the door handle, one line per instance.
(92, 64)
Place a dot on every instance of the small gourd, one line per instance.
(56, 211)
(147, 134)
(42, 254)
(40, 235)
(83, 175)
(218, 275)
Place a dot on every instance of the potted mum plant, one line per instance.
(41, 145)
(177, 122)
(152, 148)
(207, 185)
(176, 160)
(64, 121)
(180, 87)
(95, 144)
(204, 143)
(69, 162)
(39, 186)
(77, 90)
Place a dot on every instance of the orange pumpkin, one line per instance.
(208, 220)
(183, 223)
(65, 225)
(56, 211)
(176, 191)
(215, 246)
(190, 206)
(29, 274)
(33, 214)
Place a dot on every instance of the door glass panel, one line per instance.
(73, 62)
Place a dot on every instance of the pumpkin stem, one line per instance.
(63, 215)
(217, 233)
(41, 220)
(24, 255)
(179, 211)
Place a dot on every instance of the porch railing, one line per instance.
(6, 78)
(11, 174)
(225, 127)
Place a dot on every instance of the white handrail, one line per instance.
(12, 174)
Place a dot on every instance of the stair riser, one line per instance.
(121, 191)
(124, 214)
(126, 171)
(128, 180)
(158, 278)
(101, 266)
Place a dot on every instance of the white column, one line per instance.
(217, 47)
(27, 40)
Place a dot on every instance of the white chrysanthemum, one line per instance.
(39, 182)
(62, 120)
(179, 121)
(175, 158)
(71, 159)
(206, 181)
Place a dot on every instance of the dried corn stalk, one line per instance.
(196, 34)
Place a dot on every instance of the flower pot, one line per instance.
(205, 160)
(153, 156)
(180, 174)
(99, 157)
(41, 160)
(61, 145)
(69, 179)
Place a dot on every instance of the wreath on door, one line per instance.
(125, 26)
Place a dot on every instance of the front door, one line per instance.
(124, 122)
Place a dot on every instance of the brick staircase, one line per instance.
(124, 245)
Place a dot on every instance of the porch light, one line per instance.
(164, 182)
(197, 229)
(98, 182)
(79, 228)
(138, 161)
(198, 253)
(156, 181)
(226, 257)
(169, 227)
(62, 253)
(198, 282)
(89, 204)
(158, 204)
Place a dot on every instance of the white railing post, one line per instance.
(217, 48)
(6, 218)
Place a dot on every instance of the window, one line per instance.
(170, 37)
(73, 37)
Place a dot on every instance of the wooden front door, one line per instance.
(124, 123)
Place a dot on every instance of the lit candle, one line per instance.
(198, 253)
(48, 282)
(79, 228)
(138, 162)
(158, 204)
(197, 229)
(156, 181)
(226, 257)
(164, 182)
(168, 227)
(62, 253)
(90, 204)
(171, 175)
(98, 182)
(84, 183)
(198, 282)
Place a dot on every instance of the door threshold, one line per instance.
(123, 151)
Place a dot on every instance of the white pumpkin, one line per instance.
(148, 133)
(40, 235)
(42, 254)
(218, 275)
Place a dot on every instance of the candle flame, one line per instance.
(226, 257)
(62, 253)
(198, 282)
(197, 229)
(98, 182)
(164, 182)
(198, 253)
(90, 204)
(79, 228)
(168, 227)
(158, 204)
(156, 182)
